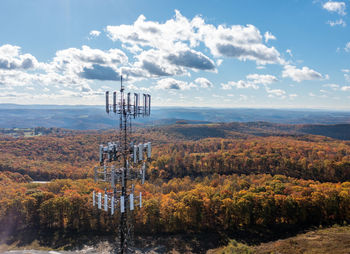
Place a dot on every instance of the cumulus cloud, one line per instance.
(262, 79)
(346, 74)
(173, 84)
(176, 47)
(238, 84)
(339, 22)
(155, 63)
(252, 81)
(347, 47)
(94, 33)
(269, 36)
(12, 59)
(203, 83)
(302, 74)
(89, 63)
(191, 59)
(276, 93)
(289, 52)
(89, 56)
(345, 88)
(160, 63)
(241, 42)
(99, 72)
(332, 86)
(338, 7)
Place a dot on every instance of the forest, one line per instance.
(200, 180)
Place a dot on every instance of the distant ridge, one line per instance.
(236, 129)
(82, 117)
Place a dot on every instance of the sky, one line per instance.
(218, 53)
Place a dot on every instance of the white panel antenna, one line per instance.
(106, 203)
(112, 177)
(144, 104)
(129, 103)
(149, 150)
(136, 104)
(140, 152)
(112, 205)
(99, 200)
(101, 154)
(122, 207)
(135, 154)
(115, 102)
(131, 201)
(143, 173)
(107, 102)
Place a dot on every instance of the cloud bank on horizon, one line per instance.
(181, 57)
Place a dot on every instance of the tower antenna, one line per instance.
(122, 163)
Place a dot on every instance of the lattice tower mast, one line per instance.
(122, 163)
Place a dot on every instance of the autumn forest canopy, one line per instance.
(251, 178)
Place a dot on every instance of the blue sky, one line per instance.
(270, 54)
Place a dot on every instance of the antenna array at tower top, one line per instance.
(128, 105)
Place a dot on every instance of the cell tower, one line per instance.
(122, 163)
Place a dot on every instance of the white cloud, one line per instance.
(302, 74)
(289, 52)
(154, 62)
(12, 59)
(346, 74)
(203, 83)
(312, 95)
(332, 86)
(191, 59)
(94, 34)
(242, 42)
(252, 81)
(347, 77)
(269, 36)
(276, 93)
(339, 22)
(239, 84)
(345, 88)
(338, 7)
(173, 84)
(347, 47)
(89, 63)
(262, 79)
(159, 63)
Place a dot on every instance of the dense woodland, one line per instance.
(196, 183)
